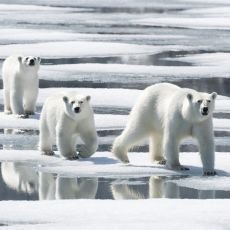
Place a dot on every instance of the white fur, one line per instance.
(60, 124)
(20, 177)
(167, 114)
(20, 83)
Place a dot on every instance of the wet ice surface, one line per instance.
(29, 184)
(111, 50)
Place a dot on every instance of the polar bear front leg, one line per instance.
(30, 98)
(171, 149)
(65, 144)
(203, 132)
(16, 102)
(91, 143)
(7, 108)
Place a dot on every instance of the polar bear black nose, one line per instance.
(77, 109)
(205, 111)
(31, 62)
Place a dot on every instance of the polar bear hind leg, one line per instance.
(155, 149)
(129, 137)
(45, 142)
(17, 103)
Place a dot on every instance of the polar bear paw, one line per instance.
(48, 152)
(210, 173)
(120, 155)
(23, 116)
(161, 162)
(183, 168)
(178, 168)
(8, 112)
(72, 157)
(28, 113)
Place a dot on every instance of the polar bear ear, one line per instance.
(20, 59)
(88, 98)
(189, 96)
(38, 60)
(214, 95)
(65, 99)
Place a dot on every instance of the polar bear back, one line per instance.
(161, 102)
(153, 105)
(10, 67)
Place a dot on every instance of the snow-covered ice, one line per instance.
(87, 214)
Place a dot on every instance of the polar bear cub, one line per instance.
(167, 113)
(20, 83)
(64, 117)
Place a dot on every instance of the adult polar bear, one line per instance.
(168, 113)
(20, 83)
(64, 117)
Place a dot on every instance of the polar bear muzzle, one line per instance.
(31, 62)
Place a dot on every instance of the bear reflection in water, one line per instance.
(159, 187)
(19, 177)
(25, 180)
(58, 187)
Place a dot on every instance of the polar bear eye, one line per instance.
(208, 101)
(80, 102)
(199, 101)
(72, 102)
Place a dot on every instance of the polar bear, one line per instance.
(167, 113)
(20, 83)
(64, 117)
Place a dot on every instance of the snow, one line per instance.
(58, 72)
(18, 7)
(219, 23)
(146, 214)
(212, 59)
(213, 11)
(77, 49)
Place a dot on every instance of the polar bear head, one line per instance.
(29, 61)
(76, 105)
(198, 106)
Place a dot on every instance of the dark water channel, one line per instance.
(19, 181)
